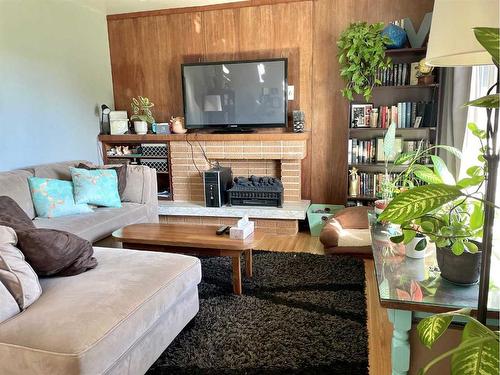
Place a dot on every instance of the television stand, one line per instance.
(233, 131)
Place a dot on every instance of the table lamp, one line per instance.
(452, 43)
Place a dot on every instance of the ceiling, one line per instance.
(128, 6)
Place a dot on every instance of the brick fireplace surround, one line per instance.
(277, 155)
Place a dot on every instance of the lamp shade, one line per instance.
(451, 40)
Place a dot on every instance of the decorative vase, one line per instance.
(396, 34)
(141, 127)
(459, 269)
(410, 251)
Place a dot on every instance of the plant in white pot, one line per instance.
(142, 114)
(449, 213)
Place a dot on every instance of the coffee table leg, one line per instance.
(236, 275)
(248, 263)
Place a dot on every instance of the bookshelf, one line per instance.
(410, 101)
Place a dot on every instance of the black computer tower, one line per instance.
(216, 182)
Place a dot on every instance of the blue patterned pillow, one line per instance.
(53, 198)
(97, 186)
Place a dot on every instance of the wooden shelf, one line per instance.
(406, 51)
(407, 87)
(160, 138)
(367, 198)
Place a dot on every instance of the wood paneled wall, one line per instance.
(147, 49)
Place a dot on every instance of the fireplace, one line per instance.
(256, 191)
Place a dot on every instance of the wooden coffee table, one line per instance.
(191, 239)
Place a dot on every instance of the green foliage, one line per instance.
(488, 101)
(478, 351)
(419, 201)
(490, 40)
(141, 109)
(361, 52)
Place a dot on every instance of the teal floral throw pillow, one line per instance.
(98, 187)
(54, 198)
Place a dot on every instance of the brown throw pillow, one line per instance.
(121, 173)
(13, 216)
(53, 252)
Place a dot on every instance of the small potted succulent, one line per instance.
(142, 114)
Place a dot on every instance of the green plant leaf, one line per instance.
(474, 171)
(418, 201)
(470, 181)
(404, 157)
(442, 171)
(471, 247)
(389, 140)
(458, 247)
(488, 101)
(476, 357)
(427, 175)
(421, 245)
(397, 239)
(490, 40)
(477, 216)
(432, 328)
(452, 150)
(408, 236)
(427, 226)
(476, 131)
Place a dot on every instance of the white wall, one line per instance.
(54, 73)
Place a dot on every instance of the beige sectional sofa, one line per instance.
(115, 319)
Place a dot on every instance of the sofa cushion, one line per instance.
(14, 184)
(100, 223)
(58, 171)
(83, 324)
(9, 306)
(18, 276)
(121, 172)
(54, 198)
(98, 187)
(54, 252)
(12, 215)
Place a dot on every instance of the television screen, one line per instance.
(235, 94)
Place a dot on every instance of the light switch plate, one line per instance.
(291, 92)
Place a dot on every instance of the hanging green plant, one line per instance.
(361, 53)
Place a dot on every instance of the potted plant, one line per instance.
(361, 54)
(142, 114)
(446, 212)
(478, 351)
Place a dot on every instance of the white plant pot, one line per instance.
(141, 127)
(410, 249)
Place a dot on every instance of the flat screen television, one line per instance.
(235, 94)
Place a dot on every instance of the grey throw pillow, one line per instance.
(8, 305)
(18, 276)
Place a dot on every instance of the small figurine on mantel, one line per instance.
(353, 182)
(177, 124)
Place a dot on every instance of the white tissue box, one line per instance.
(242, 230)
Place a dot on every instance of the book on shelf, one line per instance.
(406, 115)
(365, 151)
(370, 184)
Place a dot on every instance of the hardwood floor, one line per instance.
(379, 327)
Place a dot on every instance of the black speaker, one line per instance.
(216, 182)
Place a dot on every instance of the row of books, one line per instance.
(398, 75)
(369, 184)
(405, 115)
(371, 150)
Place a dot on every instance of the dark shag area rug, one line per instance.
(299, 314)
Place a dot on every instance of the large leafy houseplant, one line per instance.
(361, 53)
(477, 352)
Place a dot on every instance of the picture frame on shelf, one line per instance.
(379, 148)
(360, 115)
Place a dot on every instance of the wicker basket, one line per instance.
(154, 149)
(160, 165)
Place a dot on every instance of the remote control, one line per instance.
(223, 229)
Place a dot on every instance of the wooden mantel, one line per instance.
(150, 138)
